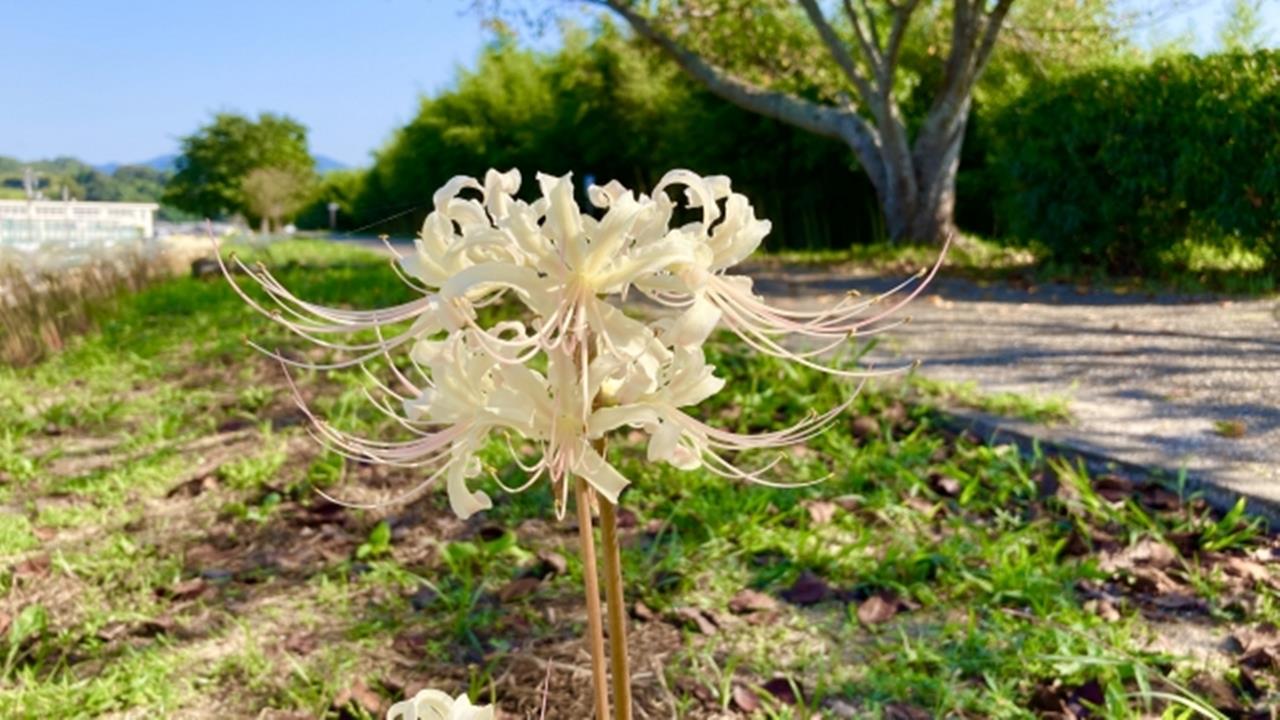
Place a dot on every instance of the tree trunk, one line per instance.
(919, 201)
(934, 217)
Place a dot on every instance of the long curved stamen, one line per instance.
(561, 264)
(767, 346)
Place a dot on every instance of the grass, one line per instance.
(969, 255)
(1047, 410)
(165, 552)
(1195, 265)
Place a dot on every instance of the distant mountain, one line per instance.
(82, 181)
(163, 163)
(324, 164)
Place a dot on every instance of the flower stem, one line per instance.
(617, 611)
(595, 627)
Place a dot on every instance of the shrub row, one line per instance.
(1117, 166)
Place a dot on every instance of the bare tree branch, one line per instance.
(839, 52)
(868, 49)
(901, 18)
(871, 23)
(840, 123)
(991, 30)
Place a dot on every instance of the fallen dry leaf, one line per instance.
(808, 589)
(1187, 543)
(821, 512)
(1220, 693)
(301, 643)
(360, 694)
(749, 601)
(1113, 487)
(744, 699)
(864, 427)
(906, 711)
(1266, 554)
(423, 598)
(1250, 570)
(518, 588)
(36, 566)
(946, 485)
(695, 618)
(139, 628)
(1146, 553)
(188, 589)
(922, 506)
(552, 563)
(1178, 601)
(1262, 659)
(1151, 552)
(1157, 498)
(1233, 429)
(411, 644)
(1151, 580)
(626, 518)
(1090, 692)
(878, 609)
(849, 503)
(784, 690)
(642, 612)
(1103, 608)
(895, 413)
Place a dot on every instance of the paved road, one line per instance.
(1148, 376)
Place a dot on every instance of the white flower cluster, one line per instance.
(576, 367)
(436, 705)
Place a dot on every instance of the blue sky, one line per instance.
(121, 81)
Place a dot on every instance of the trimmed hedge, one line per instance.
(1116, 166)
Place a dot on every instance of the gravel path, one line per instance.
(1148, 377)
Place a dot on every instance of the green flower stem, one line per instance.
(595, 627)
(619, 665)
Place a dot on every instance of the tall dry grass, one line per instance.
(41, 308)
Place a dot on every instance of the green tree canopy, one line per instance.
(218, 157)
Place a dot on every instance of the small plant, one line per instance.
(378, 544)
(24, 635)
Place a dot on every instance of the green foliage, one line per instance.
(336, 186)
(378, 544)
(608, 108)
(1242, 31)
(129, 183)
(1114, 167)
(218, 157)
(614, 108)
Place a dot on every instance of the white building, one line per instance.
(61, 233)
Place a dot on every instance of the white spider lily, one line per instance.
(604, 369)
(436, 705)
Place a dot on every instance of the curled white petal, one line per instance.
(436, 705)
(575, 366)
